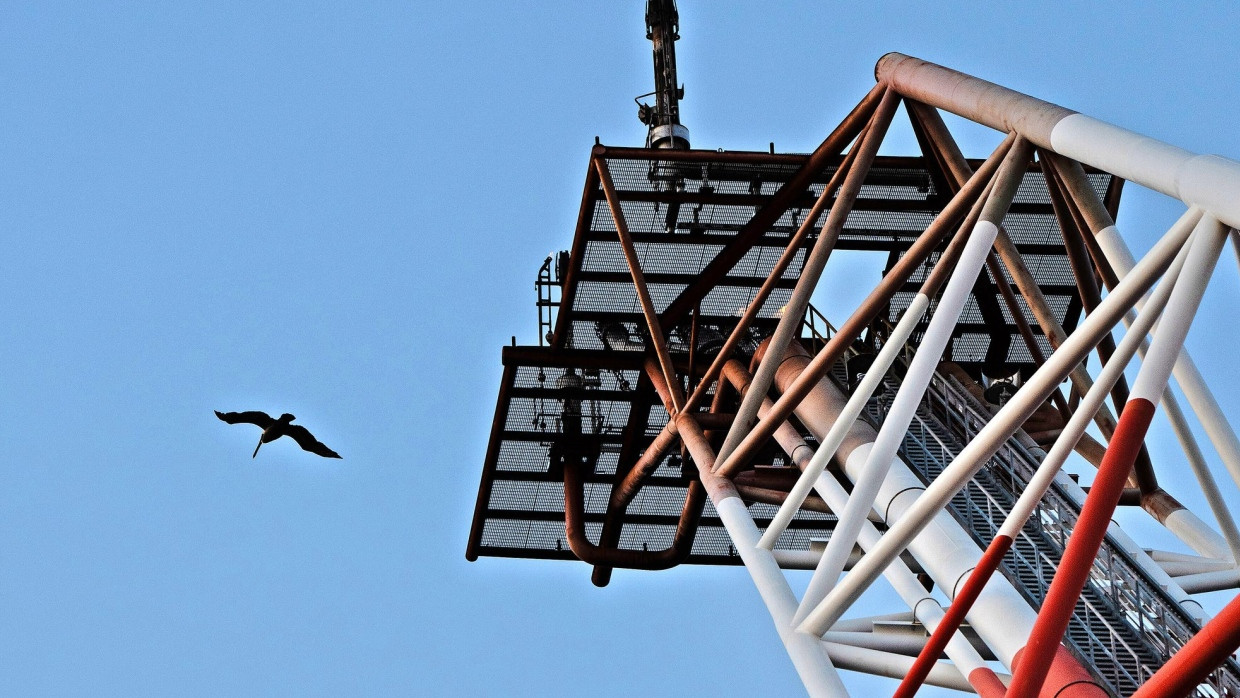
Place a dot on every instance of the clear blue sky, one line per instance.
(338, 210)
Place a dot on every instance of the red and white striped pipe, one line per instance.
(962, 602)
(915, 516)
(1104, 495)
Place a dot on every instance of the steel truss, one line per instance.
(899, 456)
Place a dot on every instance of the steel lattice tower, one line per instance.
(689, 405)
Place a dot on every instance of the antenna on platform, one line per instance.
(663, 29)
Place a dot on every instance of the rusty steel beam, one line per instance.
(559, 335)
(639, 282)
(815, 262)
(878, 299)
(1022, 325)
(488, 472)
(609, 537)
(932, 121)
(674, 554)
(1154, 499)
(764, 495)
(772, 281)
(1071, 224)
(1087, 535)
(780, 202)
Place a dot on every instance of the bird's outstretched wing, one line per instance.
(262, 419)
(306, 440)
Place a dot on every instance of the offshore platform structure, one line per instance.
(686, 403)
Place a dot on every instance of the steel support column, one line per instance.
(790, 323)
(1009, 418)
(1096, 514)
(873, 303)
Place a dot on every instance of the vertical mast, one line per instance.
(663, 29)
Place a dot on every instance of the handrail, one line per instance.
(1160, 622)
(1121, 590)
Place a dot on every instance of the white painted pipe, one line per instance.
(1205, 406)
(895, 424)
(973, 457)
(907, 644)
(946, 553)
(808, 656)
(1185, 524)
(867, 624)
(926, 610)
(797, 559)
(1197, 534)
(1210, 581)
(1181, 568)
(1208, 182)
(1164, 350)
(856, 404)
(920, 371)
(1161, 556)
(894, 666)
(1205, 181)
(1090, 404)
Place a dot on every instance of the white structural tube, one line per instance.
(1210, 581)
(946, 553)
(806, 652)
(870, 479)
(894, 666)
(920, 371)
(1164, 351)
(1093, 400)
(1208, 182)
(913, 517)
(1050, 469)
(856, 404)
(926, 610)
(1200, 399)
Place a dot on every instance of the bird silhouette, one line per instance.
(275, 428)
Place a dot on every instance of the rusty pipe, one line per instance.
(579, 543)
(874, 302)
(781, 265)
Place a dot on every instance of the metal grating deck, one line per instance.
(684, 208)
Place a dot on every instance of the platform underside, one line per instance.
(684, 209)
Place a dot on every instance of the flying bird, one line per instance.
(275, 428)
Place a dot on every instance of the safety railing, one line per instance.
(1119, 590)
(1125, 625)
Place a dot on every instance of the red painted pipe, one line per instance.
(953, 618)
(1065, 678)
(1082, 548)
(986, 682)
(1197, 658)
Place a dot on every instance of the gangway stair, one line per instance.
(1125, 625)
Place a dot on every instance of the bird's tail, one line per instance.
(260, 445)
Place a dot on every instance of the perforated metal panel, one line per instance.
(521, 504)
